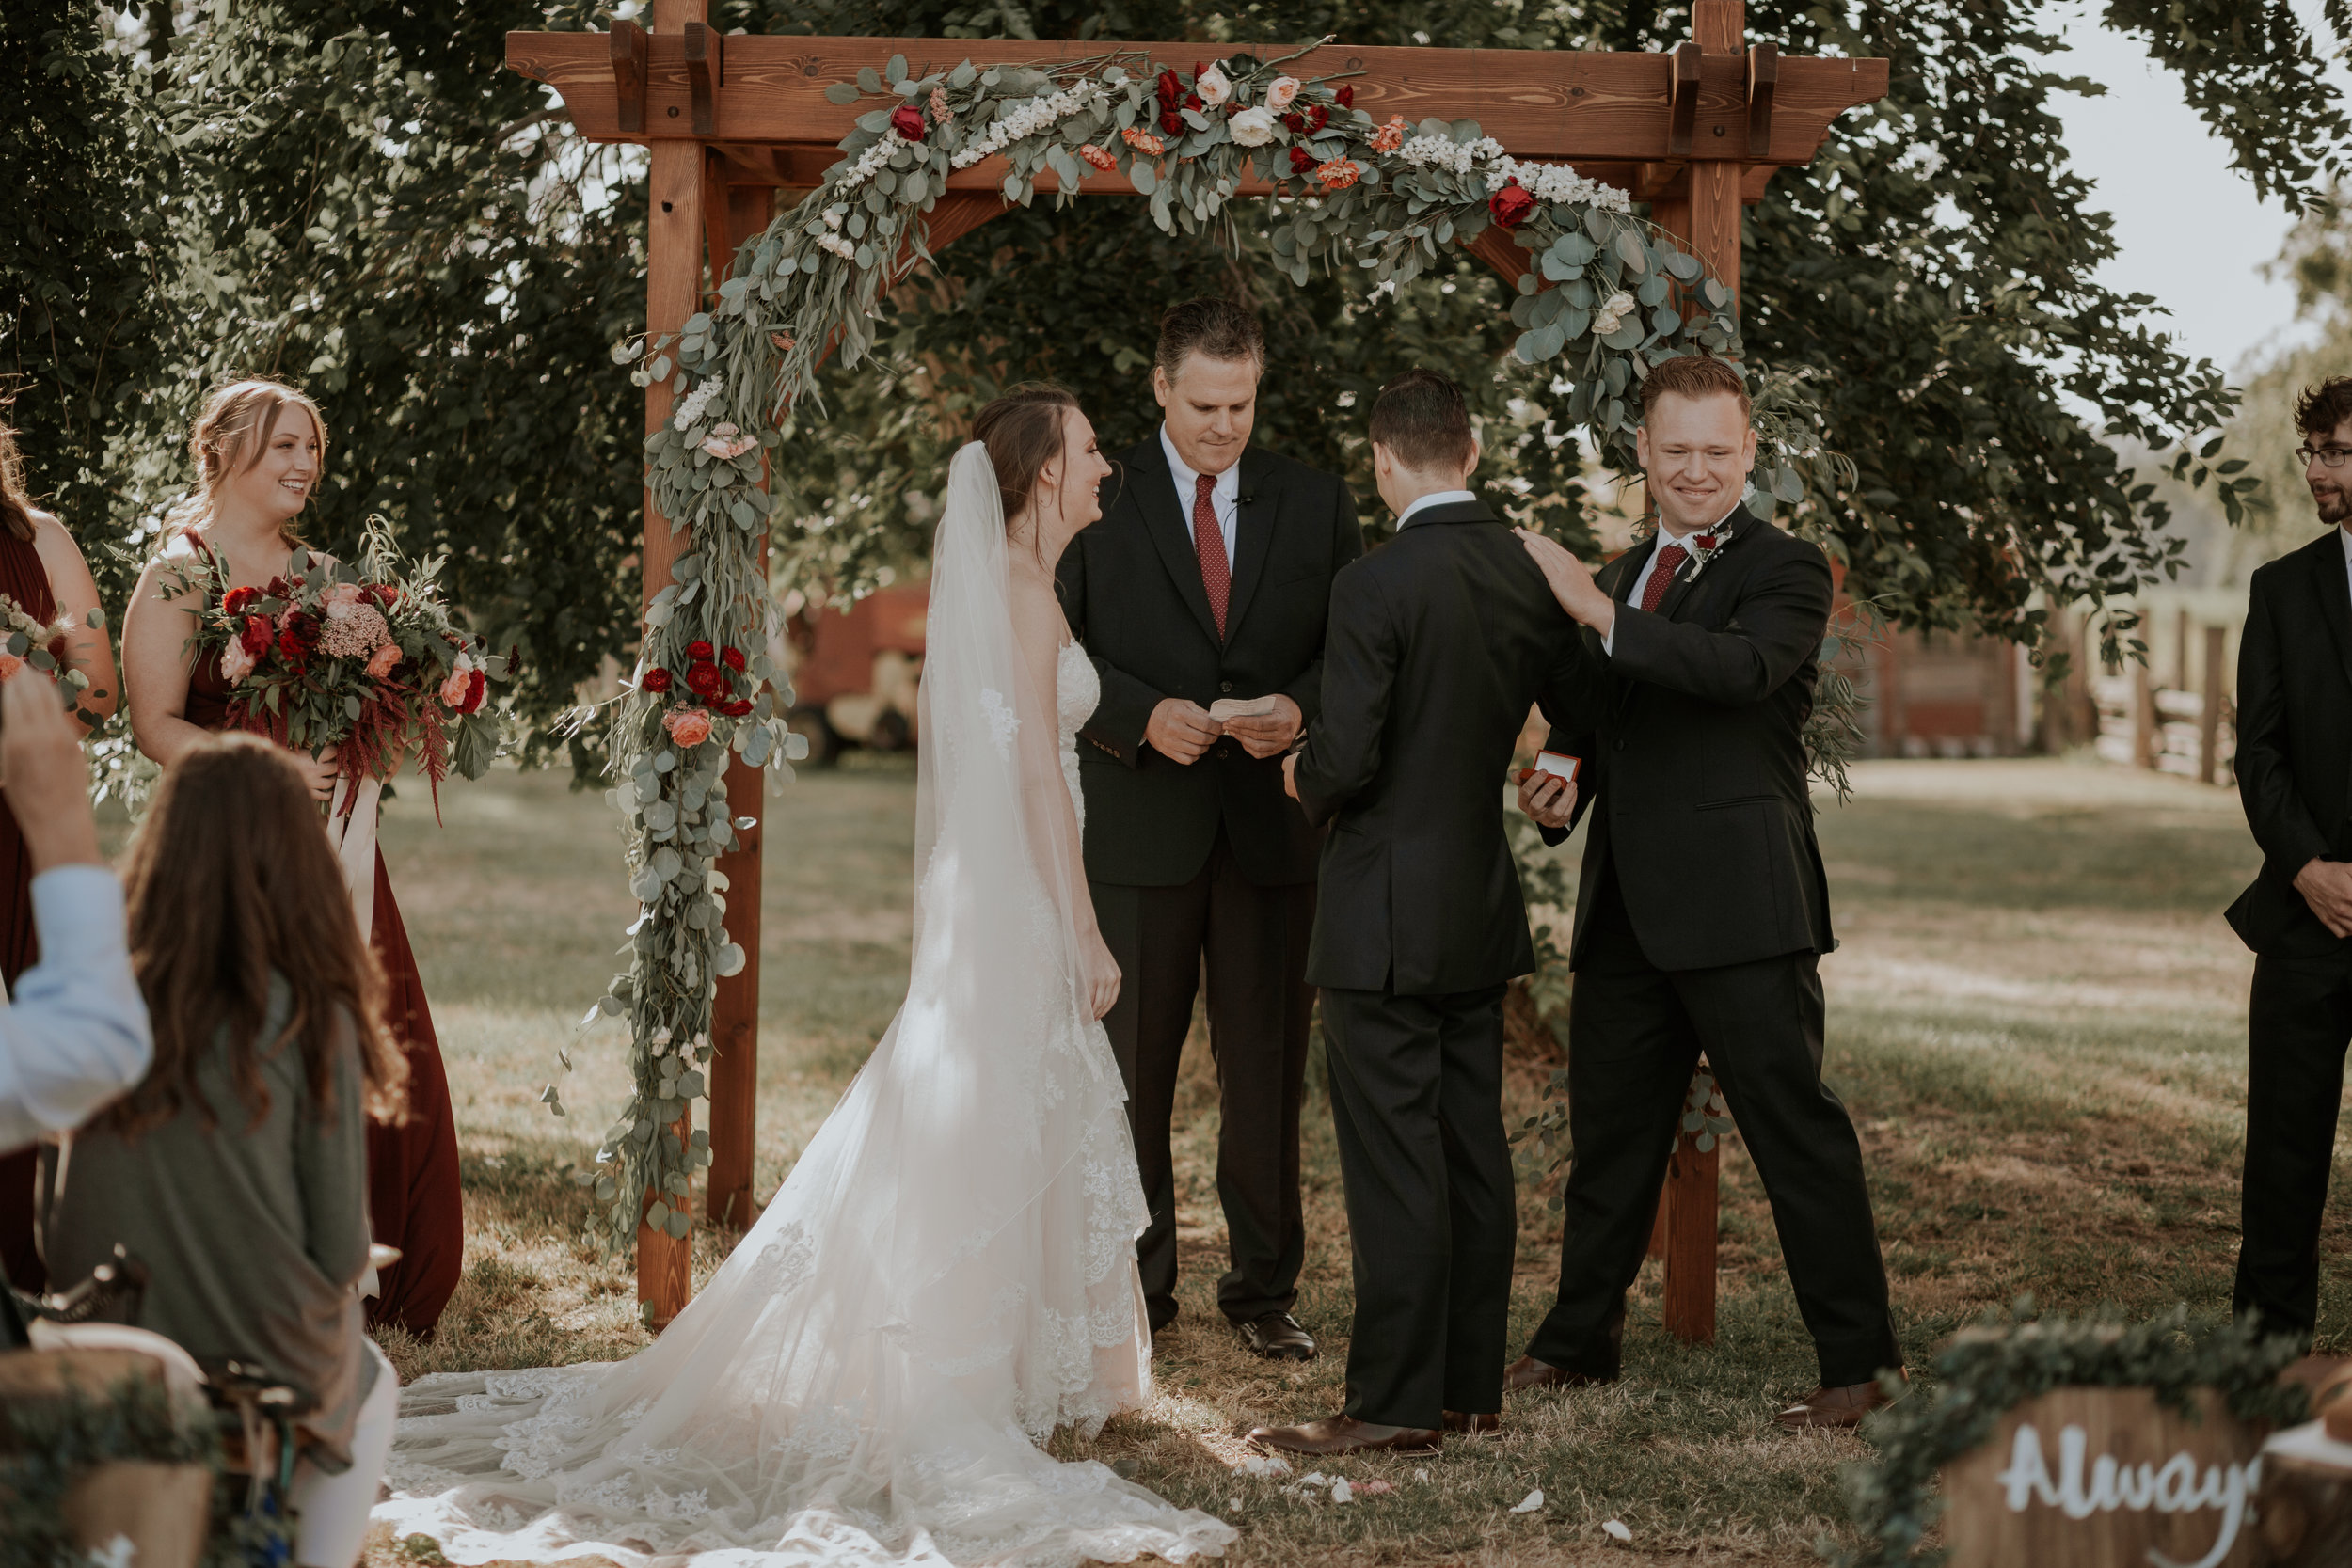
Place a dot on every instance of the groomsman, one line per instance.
(2295, 779)
(1200, 597)
(1703, 909)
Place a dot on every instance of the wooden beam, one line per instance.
(706, 74)
(1682, 124)
(1763, 78)
(629, 54)
(1585, 107)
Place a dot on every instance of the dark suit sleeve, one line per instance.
(1773, 632)
(1118, 720)
(1574, 692)
(1360, 655)
(1347, 543)
(2283, 824)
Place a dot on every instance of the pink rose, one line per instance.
(1278, 96)
(382, 661)
(687, 726)
(342, 599)
(456, 689)
(235, 663)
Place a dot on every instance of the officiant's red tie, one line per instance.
(1661, 575)
(1216, 573)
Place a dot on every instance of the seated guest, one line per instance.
(75, 1033)
(238, 1170)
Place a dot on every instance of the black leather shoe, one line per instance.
(1277, 1337)
(1528, 1372)
(1475, 1426)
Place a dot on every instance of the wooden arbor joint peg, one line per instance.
(1686, 102)
(706, 74)
(1763, 76)
(629, 54)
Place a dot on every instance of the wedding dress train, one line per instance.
(948, 1273)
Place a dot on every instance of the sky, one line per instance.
(2154, 166)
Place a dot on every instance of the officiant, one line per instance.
(1200, 597)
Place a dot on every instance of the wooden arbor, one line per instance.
(732, 120)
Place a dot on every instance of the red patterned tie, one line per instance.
(1661, 573)
(1216, 573)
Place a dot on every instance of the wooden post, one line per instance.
(727, 1200)
(2147, 738)
(2216, 695)
(2180, 651)
(673, 286)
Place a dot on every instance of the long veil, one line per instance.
(946, 1275)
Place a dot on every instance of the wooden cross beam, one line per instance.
(732, 120)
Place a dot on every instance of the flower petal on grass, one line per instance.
(1372, 1488)
(1531, 1503)
(1615, 1530)
(1342, 1492)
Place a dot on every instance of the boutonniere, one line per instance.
(1705, 547)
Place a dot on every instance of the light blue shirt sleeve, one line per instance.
(75, 1034)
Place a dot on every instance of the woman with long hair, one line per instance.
(948, 1273)
(260, 447)
(236, 1171)
(42, 570)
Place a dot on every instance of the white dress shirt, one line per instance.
(76, 1035)
(1658, 542)
(1435, 497)
(1224, 497)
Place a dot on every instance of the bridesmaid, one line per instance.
(259, 448)
(42, 571)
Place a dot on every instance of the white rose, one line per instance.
(1213, 86)
(1612, 313)
(1281, 94)
(1253, 127)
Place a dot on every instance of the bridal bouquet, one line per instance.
(365, 659)
(29, 640)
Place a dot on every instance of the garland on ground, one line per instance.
(1382, 198)
(1989, 1370)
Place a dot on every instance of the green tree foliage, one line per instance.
(2317, 258)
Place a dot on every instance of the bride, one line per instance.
(948, 1273)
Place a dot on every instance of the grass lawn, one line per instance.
(2037, 1018)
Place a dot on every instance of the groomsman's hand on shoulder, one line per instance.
(1181, 731)
(1548, 799)
(2327, 887)
(1267, 735)
(1572, 582)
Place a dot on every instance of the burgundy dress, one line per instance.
(24, 578)
(413, 1199)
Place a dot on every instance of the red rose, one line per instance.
(1169, 89)
(908, 121)
(238, 600)
(383, 593)
(256, 635)
(657, 680)
(1302, 160)
(291, 648)
(474, 694)
(698, 649)
(1194, 101)
(1317, 118)
(732, 658)
(735, 710)
(1510, 206)
(1705, 541)
(1172, 122)
(704, 680)
(1346, 95)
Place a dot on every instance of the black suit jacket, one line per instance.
(1131, 587)
(1693, 755)
(2295, 741)
(1440, 640)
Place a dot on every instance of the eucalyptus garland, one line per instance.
(1605, 296)
(1989, 1370)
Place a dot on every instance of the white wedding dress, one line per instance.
(948, 1273)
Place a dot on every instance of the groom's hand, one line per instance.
(1181, 729)
(1548, 799)
(1268, 734)
(2327, 887)
(1290, 775)
(1572, 582)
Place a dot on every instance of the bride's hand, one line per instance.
(1098, 974)
(319, 772)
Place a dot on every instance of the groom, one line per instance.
(1438, 643)
(1200, 597)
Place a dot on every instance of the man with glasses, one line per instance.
(2295, 778)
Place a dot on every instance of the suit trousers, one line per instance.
(2298, 1023)
(1417, 1103)
(1635, 1033)
(1254, 941)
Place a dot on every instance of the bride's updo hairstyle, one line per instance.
(231, 434)
(1022, 432)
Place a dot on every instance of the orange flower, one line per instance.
(782, 341)
(1390, 136)
(1098, 158)
(1339, 174)
(1144, 142)
(687, 726)
(9, 665)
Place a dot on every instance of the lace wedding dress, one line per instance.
(948, 1273)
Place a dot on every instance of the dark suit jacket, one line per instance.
(2295, 741)
(1440, 640)
(1693, 756)
(1130, 586)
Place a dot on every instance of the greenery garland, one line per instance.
(1383, 199)
(1989, 1370)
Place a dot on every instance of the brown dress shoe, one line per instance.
(1833, 1408)
(1473, 1426)
(1345, 1435)
(1528, 1372)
